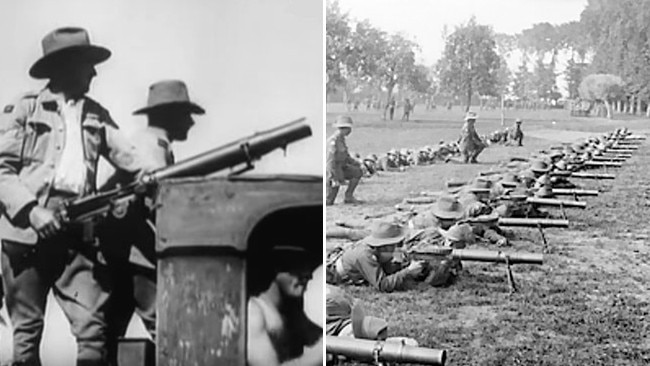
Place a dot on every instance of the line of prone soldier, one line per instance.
(50, 143)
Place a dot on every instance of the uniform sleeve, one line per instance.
(375, 275)
(122, 153)
(15, 197)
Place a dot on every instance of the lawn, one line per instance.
(588, 303)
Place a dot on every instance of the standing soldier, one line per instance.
(340, 165)
(50, 143)
(470, 143)
(407, 109)
(390, 108)
(131, 258)
(517, 134)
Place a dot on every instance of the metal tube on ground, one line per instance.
(574, 192)
(581, 175)
(495, 256)
(602, 163)
(556, 202)
(369, 350)
(526, 222)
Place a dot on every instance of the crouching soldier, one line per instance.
(340, 165)
(470, 143)
(370, 261)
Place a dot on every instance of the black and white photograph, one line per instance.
(161, 182)
(485, 176)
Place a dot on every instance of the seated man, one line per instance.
(279, 331)
(370, 261)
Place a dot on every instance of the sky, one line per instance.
(423, 20)
(251, 64)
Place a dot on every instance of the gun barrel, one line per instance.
(591, 176)
(241, 151)
(608, 158)
(603, 163)
(555, 202)
(366, 350)
(338, 232)
(525, 222)
(495, 256)
(574, 192)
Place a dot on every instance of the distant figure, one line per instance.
(407, 109)
(390, 107)
(517, 134)
(470, 143)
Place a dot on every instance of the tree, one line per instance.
(470, 63)
(544, 80)
(397, 65)
(573, 74)
(602, 88)
(337, 45)
(523, 82)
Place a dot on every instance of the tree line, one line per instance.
(607, 52)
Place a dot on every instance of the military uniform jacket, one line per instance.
(469, 138)
(360, 265)
(32, 134)
(338, 157)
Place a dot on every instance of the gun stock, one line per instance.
(371, 351)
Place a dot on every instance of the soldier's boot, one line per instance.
(349, 192)
(331, 195)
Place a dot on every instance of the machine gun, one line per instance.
(242, 151)
(582, 175)
(479, 255)
(539, 224)
(379, 352)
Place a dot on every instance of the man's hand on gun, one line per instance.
(44, 221)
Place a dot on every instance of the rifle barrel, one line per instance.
(495, 256)
(576, 192)
(556, 202)
(603, 163)
(241, 151)
(365, 350)
(523, 222)
(592, 176)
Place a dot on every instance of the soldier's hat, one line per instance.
(447, 207)
(509, 180)
(167, 93)
(518, 121)
(471, 116)
(366, 327)
(343, 121)
(385, 233)
(540, 166)
(65, 44)
(480, 186)
(290, 258)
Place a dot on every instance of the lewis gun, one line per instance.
(379, 352)
(243, 151)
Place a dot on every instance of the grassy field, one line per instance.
(588, 303)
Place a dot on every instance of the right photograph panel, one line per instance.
(485, 162)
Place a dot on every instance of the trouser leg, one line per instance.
(144, 294)
(28, 276)
(83, 291)
(331, 194)
(352, 185)
(120, 308)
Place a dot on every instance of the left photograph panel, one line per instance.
(161, 189)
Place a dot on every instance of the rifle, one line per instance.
(598, 164)
(382, 351)
(540, 224)
(242, 151)
(574, 192)
(492, 256)
(581, 175)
